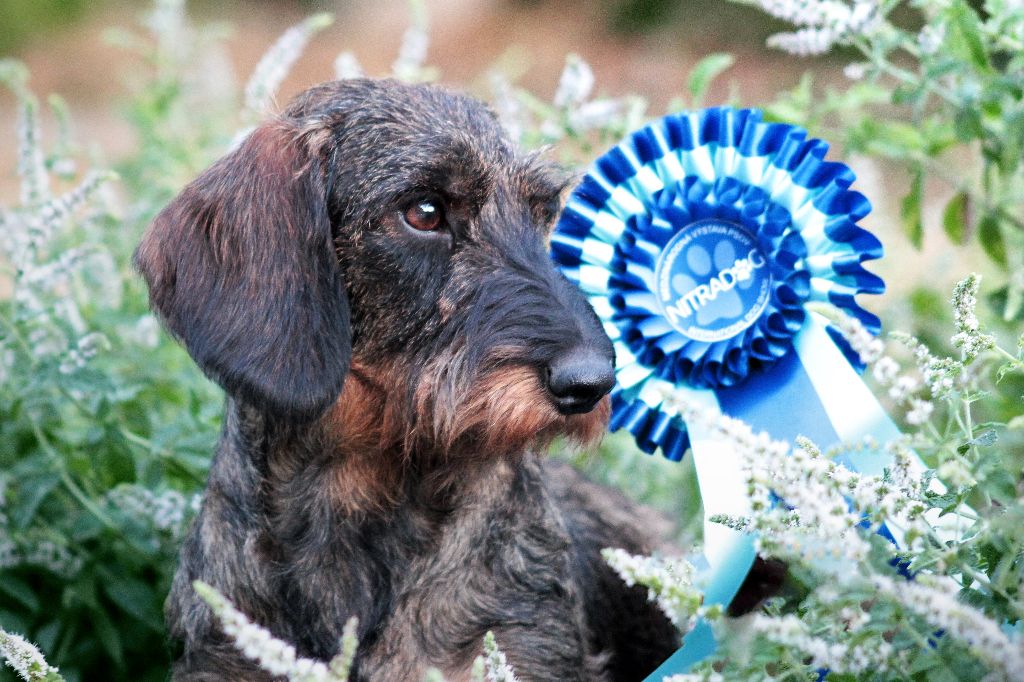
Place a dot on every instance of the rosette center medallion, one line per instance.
(712, 280)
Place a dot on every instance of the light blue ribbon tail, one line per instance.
(812, 392)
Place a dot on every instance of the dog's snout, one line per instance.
(578, 379)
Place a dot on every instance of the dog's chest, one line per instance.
(501, 564)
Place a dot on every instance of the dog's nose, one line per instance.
(578, 379)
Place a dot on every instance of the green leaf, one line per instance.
(910, 211)
(36, 489)
(704, 73)
(1009, 303)
(967, 123)
(20, 591)
(954, 218)
(108, 636)
(991, 238)
(136, 598)
(968, 27)
(985, 438)
(46, 636)
(922, 663)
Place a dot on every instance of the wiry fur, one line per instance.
(387, 398)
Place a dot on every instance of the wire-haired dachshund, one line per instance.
(366, 275)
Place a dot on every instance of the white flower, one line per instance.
(855, 71)
(840, 658)
(669, 582)
(35, 182)
(956, 472)
(930, 38)
(969, 338)
(24, 657)
(346, 66)
(938, 604)
(167, 511)
(49, 555)
(412, 52)
(274, 655)
(903, 388)
(146, 331)
(807, 12)
(920, 411)
(863, 342)
(885, 371)
(9, 554)
(497, 666)
(806, 42)
(506, 104)
(54, 211)
(275, 64)
(596, 114)
(822, 23)
(575, 84)
(6, 364)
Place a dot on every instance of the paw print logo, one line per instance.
(704, 265)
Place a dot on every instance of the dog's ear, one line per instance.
(241, 266)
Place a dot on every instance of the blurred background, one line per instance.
(644, 47)
(638, 47)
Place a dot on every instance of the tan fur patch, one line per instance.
(367, 470)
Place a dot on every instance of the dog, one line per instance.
(367, 277)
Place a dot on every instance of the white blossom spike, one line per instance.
(506, 103)
(58, 209)
(276, 62)
(412, 53)
(26, 659)
(820, 23)
(575, 84)
(497, 666)
(807, 42)
(937, 603)
(669, 582)
(346, 67)
(168, 24)
(341, 665)
(35, 181)
(275, 656)
(791, 632)
(969, 337)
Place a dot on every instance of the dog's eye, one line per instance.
(425, 215)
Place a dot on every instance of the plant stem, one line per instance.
(68, 482)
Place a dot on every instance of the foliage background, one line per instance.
(106, 426)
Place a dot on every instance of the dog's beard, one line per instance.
(451, 414)
(380, 434)
(501, 412)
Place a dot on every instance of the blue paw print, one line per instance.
(728, 304)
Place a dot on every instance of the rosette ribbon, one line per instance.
(699, 241)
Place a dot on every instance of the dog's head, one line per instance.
(391, 233)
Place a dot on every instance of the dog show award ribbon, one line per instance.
(699, 240)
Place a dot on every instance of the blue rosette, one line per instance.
(699, 241)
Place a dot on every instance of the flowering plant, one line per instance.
(937, 88)
(945, 600)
